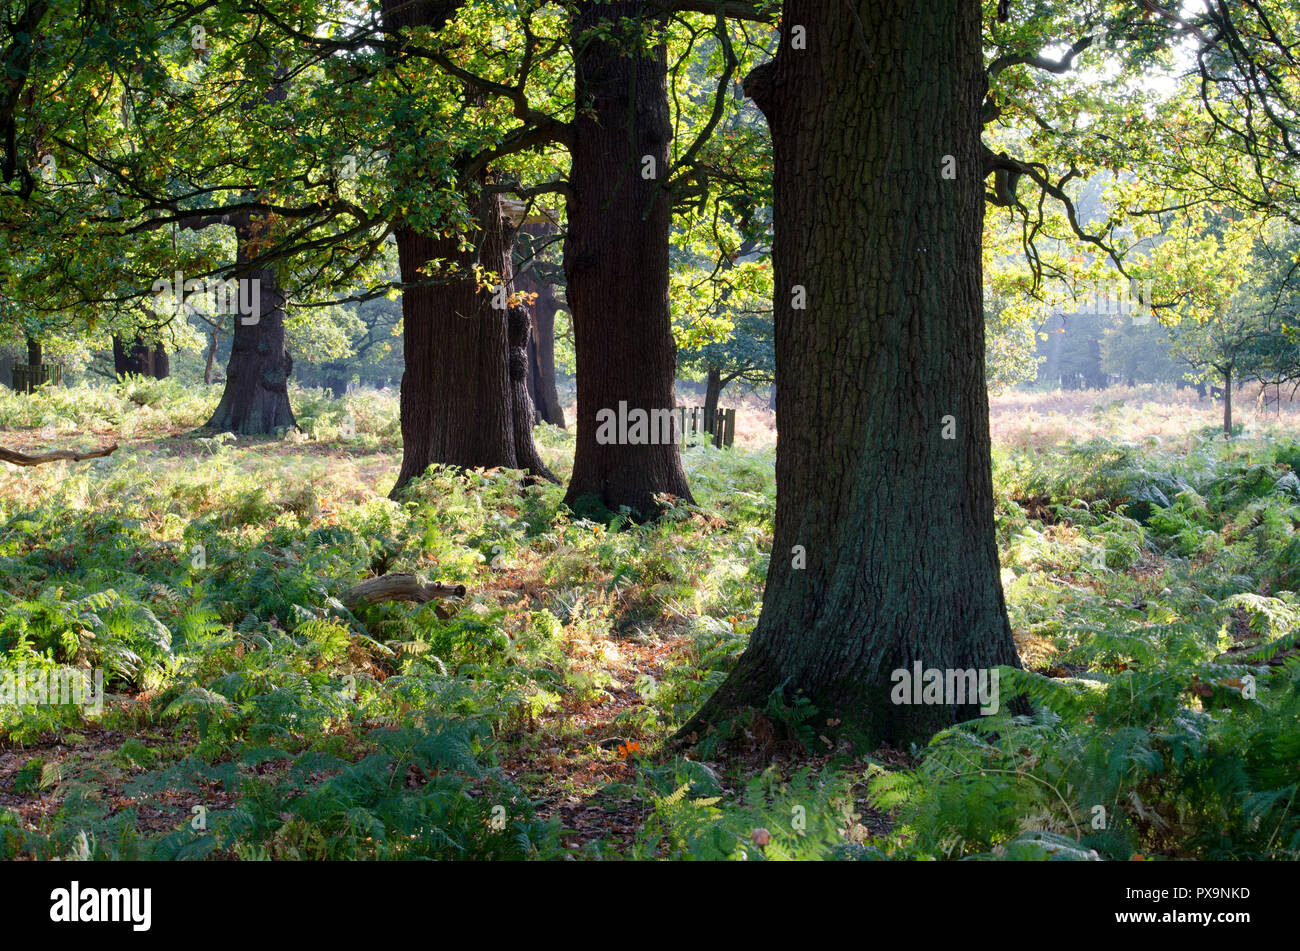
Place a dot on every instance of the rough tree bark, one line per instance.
(541, 363)
(24, 459)
(255, 400)
(459, 401)
(460, 405)
(541, 344)
(616, 256)
(884, 551)
(712, 392)
(519, 328)
(140, 358)
(398, 587)
(137, 358)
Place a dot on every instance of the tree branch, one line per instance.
(23, 459)
(399, 587)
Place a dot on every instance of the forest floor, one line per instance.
(250, 714)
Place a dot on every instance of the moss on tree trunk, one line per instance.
(884, 552)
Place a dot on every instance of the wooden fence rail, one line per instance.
(697, 421)
(27, 378)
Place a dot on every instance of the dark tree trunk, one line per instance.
(459, 399)
(532, 376)
(256, 397)
(255, 400)
(35, 352)
(519, 328)
(162, 364)
(335, 379)
(549, 409)
(616, 260)
(137, 358)
(884, 552)
(455, 407)
(1227, 403)
(712, 393)
(541, 348)
(210, 366)
(140, 358)
(1095, 377)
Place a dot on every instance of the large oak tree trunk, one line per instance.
(541, 343)
(459, 403)
(136, 358)
(542, 360)
(335, 378)
(255, 400)
(519, 328)
(162, 364)
(616, 258)
(884, 552)
(140, 358)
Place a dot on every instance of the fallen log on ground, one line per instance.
(23, 459)
(399, 587)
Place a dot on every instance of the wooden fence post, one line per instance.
(28, 377)
(719, 426)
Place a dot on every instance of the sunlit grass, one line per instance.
(207, 572)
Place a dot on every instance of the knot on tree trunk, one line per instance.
(518, 364)
(519, 323)
(518, 326)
